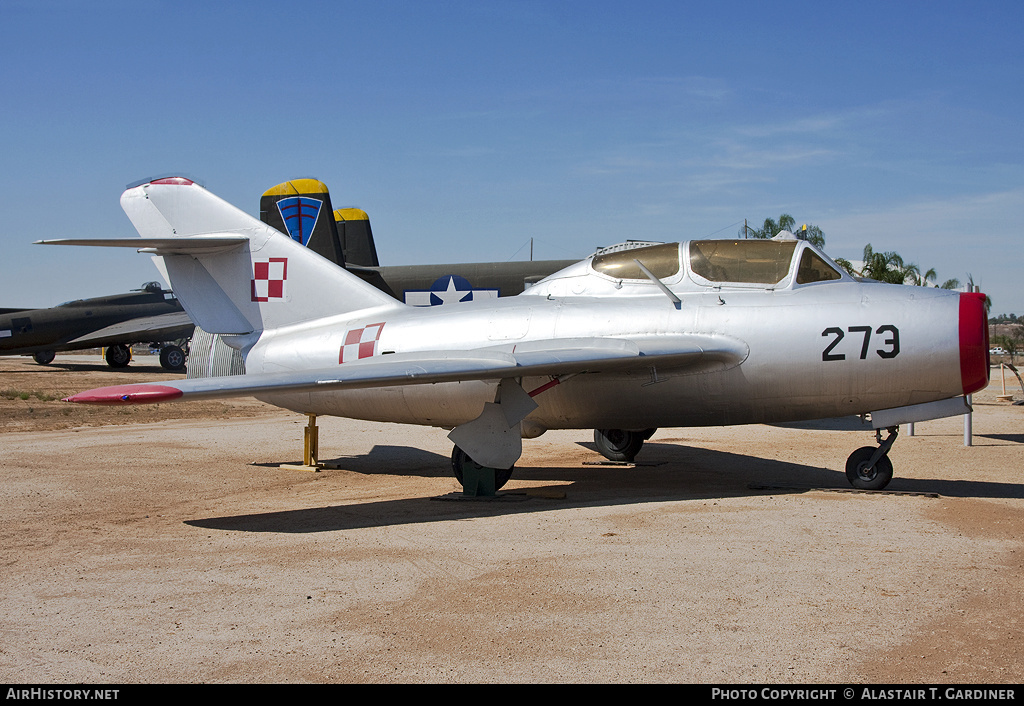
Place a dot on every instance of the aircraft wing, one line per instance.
(163, 327)
(687, 352)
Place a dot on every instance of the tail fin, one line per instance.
(353, 227)
(233, 273)
(301, 208)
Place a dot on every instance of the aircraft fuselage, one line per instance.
(822, 350)
(57, 328)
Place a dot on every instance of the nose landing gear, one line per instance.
(869, 468)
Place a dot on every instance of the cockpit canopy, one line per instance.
(661, 260)
(770, 264)
(765, 262)
(756, 262)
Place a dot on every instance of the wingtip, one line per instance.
(127, 394)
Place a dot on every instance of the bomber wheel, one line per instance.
(864, 478)
(172, 358)
(461, 460)
(118, 355)
(619, 444)
(44, 357)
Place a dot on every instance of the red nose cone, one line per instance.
(973, 342)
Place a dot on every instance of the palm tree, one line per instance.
(927, 279)
(890, 267)
(885, 266)
(771, 228)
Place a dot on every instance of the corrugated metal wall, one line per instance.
(209, 356)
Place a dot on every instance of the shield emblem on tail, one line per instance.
(300, 214)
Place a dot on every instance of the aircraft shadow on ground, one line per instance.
(387, 460)
(665, 472)
(98, 368)
(1012, 438)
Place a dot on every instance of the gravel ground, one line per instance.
(164, 544)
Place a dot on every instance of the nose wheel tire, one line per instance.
(862, 476)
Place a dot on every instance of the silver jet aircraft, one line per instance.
(699, 333)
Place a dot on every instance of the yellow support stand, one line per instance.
(310, 449)
(310, 442)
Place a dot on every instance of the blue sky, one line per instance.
(466, 128)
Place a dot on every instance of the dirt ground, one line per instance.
(164, 544)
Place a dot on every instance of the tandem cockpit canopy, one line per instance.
(696, 265)
(721, 262)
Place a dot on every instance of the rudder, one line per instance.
(260, 279)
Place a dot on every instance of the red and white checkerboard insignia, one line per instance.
(268, 278)
(360, 343)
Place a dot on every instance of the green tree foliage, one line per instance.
(882, 266)
(1012, 342)
(1005, 319)
(771, 228)
(891, 267)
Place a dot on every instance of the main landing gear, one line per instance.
(172, 358)
(118, 355)
(44, 357)
(621, 445)
(869, 468)
(476, 479)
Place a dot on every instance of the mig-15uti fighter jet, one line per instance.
(698, 333)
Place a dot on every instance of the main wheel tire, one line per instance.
(118, 355)
(44, 357)
(172, 358)
(619, 444)
(460, 459)
(860, 476)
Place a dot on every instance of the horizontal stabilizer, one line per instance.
(188, 245)
(232, 273)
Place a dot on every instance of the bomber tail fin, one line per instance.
(356, 237)
(233, 273)
(302, 209)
